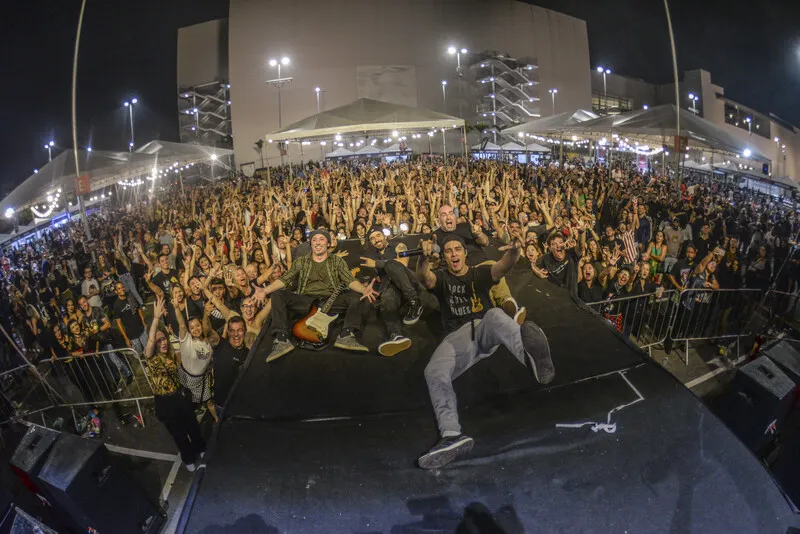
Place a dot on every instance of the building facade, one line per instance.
(390, 51)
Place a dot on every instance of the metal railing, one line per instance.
(713, 314)
(101, 378)
(645, 319)
(23, 393)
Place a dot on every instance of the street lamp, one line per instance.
(749, 122)
(553, 92)
(452, 50)
(129, 105)
(48, 147)
(9, 213)
(317, 90)
(444, 95)
(279, 82)
(694, 98)
(645, 107)
(604, 71)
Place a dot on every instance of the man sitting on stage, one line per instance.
(396, 285)
(474, 331)
(316, 277)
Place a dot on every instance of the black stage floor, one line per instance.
(670, 466)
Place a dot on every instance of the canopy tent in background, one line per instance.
(362, 117)
(658, 125)
(368, 150)
(691, 164)
(104, 168)
(512, 147)
(490, 147)
(552, 124)
(393, 149)
(339, 153)
(533, 147)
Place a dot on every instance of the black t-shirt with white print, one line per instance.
(463, 298)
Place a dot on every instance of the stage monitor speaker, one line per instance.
(31, 454)
(20, 522)
(81, 477)
(759, 403)
(787, 358)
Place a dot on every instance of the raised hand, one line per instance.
(158, 307)
(369, 292)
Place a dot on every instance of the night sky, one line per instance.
(129, 49)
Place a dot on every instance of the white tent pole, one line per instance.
(466, 147)
(75, 120)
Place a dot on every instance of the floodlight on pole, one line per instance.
(553, 93)
(454, 51)
(317, 90)
(604, 71)
(444, 95)
(129, 105)
(278, 83)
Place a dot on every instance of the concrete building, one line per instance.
(391, 51)
(765, 133)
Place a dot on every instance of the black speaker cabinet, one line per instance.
(81, 477)
(759, 403)
(31, 454)
(787, 358)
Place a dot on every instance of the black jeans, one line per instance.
(177, 414)
(397, 286)
(285, 301)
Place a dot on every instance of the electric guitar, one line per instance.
(313, 329)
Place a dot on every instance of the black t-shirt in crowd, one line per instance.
(121, 269)
(166, 280)
(227, 361)
(131, 321)
(682, 271)
(590, 294)
(703, 246)
(475, 253)
(562, 273)
(463, 298)
(196, 307)
(93, 321)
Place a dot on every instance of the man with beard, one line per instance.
(673, 237)
(475, 239)
(683, 269)
(130, 324)
(396, 285)
(316, 277)
(474, 330)
(560, 265)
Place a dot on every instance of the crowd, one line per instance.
(218, 259)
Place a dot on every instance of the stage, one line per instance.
(327, 442)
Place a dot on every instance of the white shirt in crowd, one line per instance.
(195, 355)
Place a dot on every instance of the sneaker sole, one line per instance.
(350, 347)
(410, 322)
(538, 348)
(390, 348)
(442, 457)
(273, 357)
(521, 315)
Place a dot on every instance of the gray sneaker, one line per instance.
(349, 342)
(538, 352)
(279, 348)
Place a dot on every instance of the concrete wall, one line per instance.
(327, 42)
(203, 53)
(639, 90)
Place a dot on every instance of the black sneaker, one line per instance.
(538, 351)
(398, 343)
(414, 312)
(445, 451)
(349, 342)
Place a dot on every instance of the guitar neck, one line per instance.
(328, 303)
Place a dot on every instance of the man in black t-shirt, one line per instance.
(560, 265)
(474, 330)
(683, 269)
(475, 239)
(165, 278)
(130, 320)
(229, 356)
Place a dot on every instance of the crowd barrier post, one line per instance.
(713, 314)
(645, 319)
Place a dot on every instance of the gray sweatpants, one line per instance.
(458, 352)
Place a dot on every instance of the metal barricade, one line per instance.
(23, 393)
(713, 314)
(106, 377)
(780, 312)
(645, 319)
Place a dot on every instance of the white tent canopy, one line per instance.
(368, 150)
(691, 164)
(513, 147)
(363, 116)
(552, 124)
(104, 168)
(490, 147)
(339, 153)
(392, 148)
(533, 147)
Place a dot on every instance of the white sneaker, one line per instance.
(191, 468)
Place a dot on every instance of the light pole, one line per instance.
(279, 82)
(48, 147)
(553, 92)
(129, 105)
(694, 98)
(604, 71)
(444, 95)
(317, 90)
(453, 51)
(777, 155)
